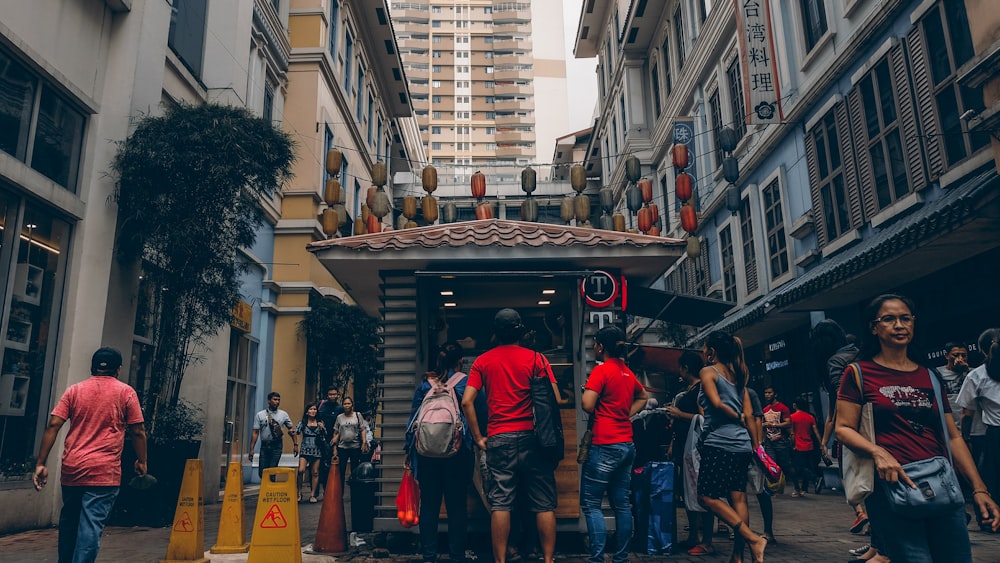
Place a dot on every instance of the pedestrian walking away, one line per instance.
(100, 410)
(979, 399)
(806, 448)
(912, 424)
(269, 426)
(611, 395)
(514, 457)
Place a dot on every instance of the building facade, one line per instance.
(867, 180)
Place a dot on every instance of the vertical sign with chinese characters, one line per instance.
(757, 59)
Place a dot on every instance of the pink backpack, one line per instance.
(437, 428)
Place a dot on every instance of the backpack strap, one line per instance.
(454, 381)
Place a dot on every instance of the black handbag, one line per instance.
(547, 418)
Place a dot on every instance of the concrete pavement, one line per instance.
(810, 529)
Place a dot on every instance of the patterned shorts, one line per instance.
(722, 472)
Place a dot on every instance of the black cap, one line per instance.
(106, 361)
(507, 319)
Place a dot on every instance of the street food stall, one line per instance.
(433, 284)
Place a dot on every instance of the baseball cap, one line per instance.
(507, 319)
(106, 361)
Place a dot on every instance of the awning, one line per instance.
(676, 308)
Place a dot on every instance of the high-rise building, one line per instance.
(488, 82)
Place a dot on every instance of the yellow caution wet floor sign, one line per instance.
(187, 536)
(232, 533)
(275, 535)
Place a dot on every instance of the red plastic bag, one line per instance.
(771, 469)
(408, 501)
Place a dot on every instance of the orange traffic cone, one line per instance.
(331, 534)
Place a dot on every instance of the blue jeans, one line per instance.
(85, 510)
(608, 468)
(943, 538)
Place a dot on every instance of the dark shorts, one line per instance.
(517, 467)
(722, 472)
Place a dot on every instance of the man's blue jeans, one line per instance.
(608, 469)
(85, 510)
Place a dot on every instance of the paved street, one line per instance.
(811, 529)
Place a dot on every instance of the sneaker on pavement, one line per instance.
(859, 524)
(860, 551)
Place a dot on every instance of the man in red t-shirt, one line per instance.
(776, 423)
(101, 409)
(805, 439)
(513, 458)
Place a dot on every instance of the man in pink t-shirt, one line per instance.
(102, 409)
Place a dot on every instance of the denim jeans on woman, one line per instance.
(941, 539)
(608, 469)
(85, 510)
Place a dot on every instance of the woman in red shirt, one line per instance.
(805, 452)
(611, 395)
(907, 424)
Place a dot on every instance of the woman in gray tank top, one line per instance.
(726, 447)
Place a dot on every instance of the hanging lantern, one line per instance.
(633, 169)
(330, 221)
(682, 187)
(528, 180)
(633, 198)
(479, 185)
(341, 214)
(334, 160)
(370, 196)
(379, 173)
(409, 207)
(566, 210)
(401, 222)
(381, 205)
(618, 220)
(680, 156)
(646, 189)
(484, 211)
(728, 139)
(359, 226)
(429, 179)
(410, 225)
(581, 207)
(429, 207)
(578, 177)
(331, 195)
(374, 224)
(693, 247)
(365, 212)
(730, 169)
(653, 231)
(689, 218)
(529, 209)
(607, 198)
(449, 213)
(607, 222)
(645, 219)
(733, 202)
(656, 213)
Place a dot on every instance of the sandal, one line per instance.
(701, 549)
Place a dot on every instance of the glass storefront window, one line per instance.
(34, 261)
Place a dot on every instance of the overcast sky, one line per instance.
(580, 73)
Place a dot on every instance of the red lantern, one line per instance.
(646, 187)
(371, 196)
(374, 224)
(484, 211)
(680, 156)
(653, 231)
(689, 218)
(683, 186)
(645, 219)
(656, 213)
(478, 185)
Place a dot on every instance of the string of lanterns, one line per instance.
(684, 190)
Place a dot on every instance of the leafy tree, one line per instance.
(189, 188)
(341, 347)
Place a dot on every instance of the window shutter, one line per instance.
(928, 127)
(817, 201)
(859, 139)
(912, 143)
(848, 159)
(689, 276)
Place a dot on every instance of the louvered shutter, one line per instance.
(817, 201)
(928, 130)
(689, 276)
(912, 144)
(705, 274)
(859, 137)
(848, 159)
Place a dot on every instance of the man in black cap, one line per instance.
(513, 456)
(101, 408)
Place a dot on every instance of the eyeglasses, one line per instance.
(890, 320)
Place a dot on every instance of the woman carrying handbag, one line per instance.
(916, 507)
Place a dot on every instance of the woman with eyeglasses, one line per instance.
(908, 428)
